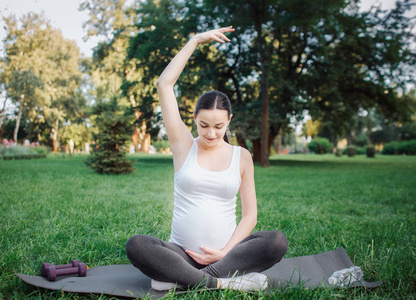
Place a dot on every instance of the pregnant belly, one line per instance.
(202, 227)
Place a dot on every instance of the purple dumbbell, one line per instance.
(52, 272)
(45, 266)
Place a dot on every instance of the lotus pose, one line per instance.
(206, 247)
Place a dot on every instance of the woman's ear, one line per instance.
(229, 119)
(195, 118)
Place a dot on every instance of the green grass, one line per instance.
(55, 209)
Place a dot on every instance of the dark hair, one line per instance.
(214, 100)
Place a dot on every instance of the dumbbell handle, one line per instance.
(52, 272)
(45, 266)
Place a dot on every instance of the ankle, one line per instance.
(219, 283)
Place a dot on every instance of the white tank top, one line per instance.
(204, 203)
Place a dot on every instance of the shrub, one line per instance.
(407, 147)
(338, 152)
(23, 152)
(160, 145)
(351, 151)
(371, 151)
(361, 150)
(390, 148)
(320, 146)
(404, 147)
(110, 155)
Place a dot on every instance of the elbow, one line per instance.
(159, 82)
(254, 221)
(162, 83)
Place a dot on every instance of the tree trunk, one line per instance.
(2, 112)
(146, 142)
(264, 94)
(279, 142)
(135, 139)
(16, 129)
(270, 141)
(55, 136)
(256, 150)
(349, 138)
(241, 141)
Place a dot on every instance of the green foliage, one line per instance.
(23, 152)
(407, 147)
(403, 147)
(390, 148)
(41, 75)
(161, 144)
(361, 150)
(370, 151)
(284, 58)
(320, 146)
(351, 151)
(109, 154)
(338, 152)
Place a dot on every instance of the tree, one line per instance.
(285, 59)
(40, 72)
(108, 157)
(368, 67)
(162, 28)
(110, 67)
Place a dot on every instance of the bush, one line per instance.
(404, 147)
(23, 152)
(361, 150)
(351, 151)
(407, 147)
(160, 145)
(320, 146)
(110, 155)
(390, 148)
(371, 151)
(338, 152)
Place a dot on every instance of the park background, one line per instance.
(305, 78)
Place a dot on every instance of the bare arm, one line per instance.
(179, 136)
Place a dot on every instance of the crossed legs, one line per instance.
(168, 262)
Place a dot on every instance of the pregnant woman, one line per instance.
(206, 247)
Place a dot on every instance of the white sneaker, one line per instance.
(246, 282)
(164, 286)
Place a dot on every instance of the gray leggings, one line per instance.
(168, 262)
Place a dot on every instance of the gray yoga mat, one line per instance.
(309, 271)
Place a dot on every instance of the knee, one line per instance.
(135, 244)
(278, 245)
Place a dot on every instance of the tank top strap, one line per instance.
(235, 160)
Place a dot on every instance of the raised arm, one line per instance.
(179, 135)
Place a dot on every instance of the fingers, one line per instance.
(207, 250)
(198, 257)
(220, 36)
(226, 29)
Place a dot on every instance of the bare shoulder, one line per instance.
(246, 161)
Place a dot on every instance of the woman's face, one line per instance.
(211, 125)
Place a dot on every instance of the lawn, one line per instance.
(56, 209)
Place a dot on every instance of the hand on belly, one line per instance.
(209, 255)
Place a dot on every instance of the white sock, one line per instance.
(164, 286)
(246, 282)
